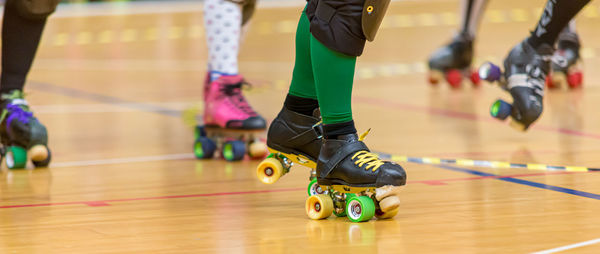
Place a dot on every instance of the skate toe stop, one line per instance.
(389, 204)
(386, 191)
(38, 153)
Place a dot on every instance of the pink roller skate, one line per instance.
(230, 123)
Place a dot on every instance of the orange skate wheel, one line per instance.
(257, 150)
(269, 170)
(454, 78)
(575, 79)
(435, 76)
(319, 206)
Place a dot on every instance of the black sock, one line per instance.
(20, 39)
(332, 131)
(305, 106)
(555, 17)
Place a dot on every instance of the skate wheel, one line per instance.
(319, 206)
(475, 80)
(575, 79)
(500, 109)
(389, 203)
(199, 132)
(435, 76)
(454, 78)
(269, 171)
(40, 156)
(233, 150)
(490, 72)
(556, 80)
(257, 150)
(204, 148)
(386, 215)
(360, 208)
(314, 188)
(16, 157)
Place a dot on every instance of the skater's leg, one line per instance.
(20, 40)
(21, 133)
(554, 19)
(471, 13)
(222, 21)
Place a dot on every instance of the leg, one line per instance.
(20, 131)
(453, 61)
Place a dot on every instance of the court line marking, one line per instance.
(97, 203)
(568, 247)
(523, 182)
(167, 157)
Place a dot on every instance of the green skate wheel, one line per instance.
(204, 148)
(16, 157)
(43, 162)
(314, 188)
(360, 208)
(234, 150)
(500, 109)
(199, 132)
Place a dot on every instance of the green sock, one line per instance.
(334, 77)
(303, 82)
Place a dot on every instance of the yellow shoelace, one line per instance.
(364, 157)
(368, 158)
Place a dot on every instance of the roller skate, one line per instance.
(292, 138)
(355, 182)
(566, 69)
(22, 135)
(231, 126)
(526, 69)
(453, 63)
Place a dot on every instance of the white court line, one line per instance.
(167, 157)
(568, 247)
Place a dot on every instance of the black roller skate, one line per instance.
(292, 138)
(453, 62)
(356, 182)
(526, 69)
(22, 134)
(566, 69)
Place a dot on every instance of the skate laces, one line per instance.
(16, 109)
(234, 91)
(364, 157)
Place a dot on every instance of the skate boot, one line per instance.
(230, 123)
(526, 69)
(292, 138)
(22, 134)
(357, 183)
(566, 69)
(453, 62)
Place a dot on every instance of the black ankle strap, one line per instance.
(343, 152)
(306, 137)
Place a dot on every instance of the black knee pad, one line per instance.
(345, 25)
(33, 9)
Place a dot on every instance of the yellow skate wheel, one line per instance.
(269, 170)
(16, 157)
(257, 150)
(386, 215)
(40, 156)
(319, 206)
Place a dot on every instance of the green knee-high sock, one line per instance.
(303, 82)
(334, 76)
